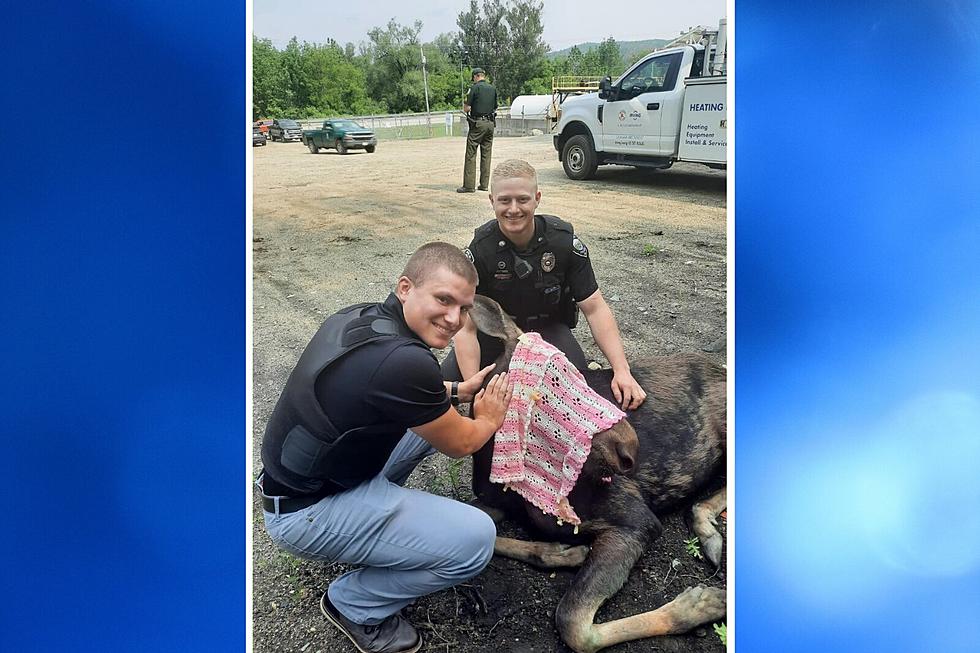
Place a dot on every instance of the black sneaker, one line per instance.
(464, 189)
(482, 188)
(393, 635)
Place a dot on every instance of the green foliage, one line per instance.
(649, 250)
(448, 483)
(722, 631)
(306, 80)
(693, 547)
(503, 38)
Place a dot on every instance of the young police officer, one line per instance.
(338, 447)
(538, 271)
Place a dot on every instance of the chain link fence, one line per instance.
(406, 126)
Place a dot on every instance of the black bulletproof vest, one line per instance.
(302, 449)
(519, 283)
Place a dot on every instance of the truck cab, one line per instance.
(664, 108)
(642, 108)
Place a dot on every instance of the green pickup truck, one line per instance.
(342, 134)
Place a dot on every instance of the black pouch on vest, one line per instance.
(568, 310)
(304, 454)
(552, 295)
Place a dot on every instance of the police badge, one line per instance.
(579, 247)
(548, 261)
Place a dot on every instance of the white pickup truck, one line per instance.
(667, 107)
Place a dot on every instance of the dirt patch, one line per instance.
(330, 231)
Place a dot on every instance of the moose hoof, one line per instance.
(695, 606)
(562, 555)
(712, 548)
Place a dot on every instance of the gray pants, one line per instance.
(409, 543)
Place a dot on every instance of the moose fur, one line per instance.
(664, 454)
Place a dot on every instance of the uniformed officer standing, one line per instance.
(480, 107)
(539, 271)
(337, 450)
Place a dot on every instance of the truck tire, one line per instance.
(370, 149)
(341, 148)
(313, 148)
(578, 158)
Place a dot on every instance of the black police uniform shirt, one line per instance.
(556, 271)
(374, 384)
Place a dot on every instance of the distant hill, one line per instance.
(629, 49)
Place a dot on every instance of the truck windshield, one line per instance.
(347, 124)
(288, 124)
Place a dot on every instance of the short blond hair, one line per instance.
(430, 257)
(515, 168)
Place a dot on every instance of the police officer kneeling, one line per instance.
(539, 271)
(364, 405)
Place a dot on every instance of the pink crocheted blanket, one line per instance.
(547, 432)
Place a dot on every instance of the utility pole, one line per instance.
(462, 91)
(425, 82)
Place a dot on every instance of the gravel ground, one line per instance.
(332, 230)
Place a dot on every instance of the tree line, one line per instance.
(383, 74)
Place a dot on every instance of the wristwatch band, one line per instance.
(454, 393)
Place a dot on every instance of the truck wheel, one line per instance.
(578, 158)
(370, 149)
(341, 148)
(313, 148)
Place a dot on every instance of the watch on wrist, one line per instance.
(454, 393)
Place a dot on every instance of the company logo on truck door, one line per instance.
(635, 115)
(707, 106)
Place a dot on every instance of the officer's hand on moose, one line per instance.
(472, 385)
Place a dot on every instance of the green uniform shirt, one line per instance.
(482, 98)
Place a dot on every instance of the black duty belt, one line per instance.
(483, 116)
(292, 504)
(287, 504)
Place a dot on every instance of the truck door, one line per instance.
(642, 116)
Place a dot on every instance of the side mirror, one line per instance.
(605, 86)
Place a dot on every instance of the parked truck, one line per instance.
(341, 134)
(669, 106)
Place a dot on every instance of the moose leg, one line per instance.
(692, 607)
(704, 515)
(613, 554)
(541, 554)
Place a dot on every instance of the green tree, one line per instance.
(505, 40)
(270, 90)
(606, 59)
(526, 57)
(393, 57)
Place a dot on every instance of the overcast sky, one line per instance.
(566, 22)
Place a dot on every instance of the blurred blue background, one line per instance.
(122, 275)
(857, 424)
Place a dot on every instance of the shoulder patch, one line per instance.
(468, 254)
(578, 247)
(555, 222)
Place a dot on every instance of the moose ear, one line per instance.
(491, 319)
